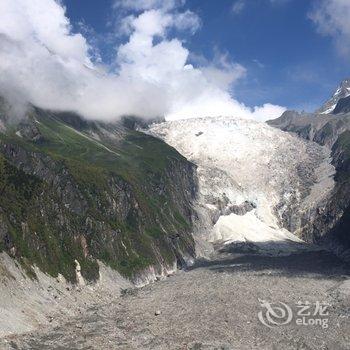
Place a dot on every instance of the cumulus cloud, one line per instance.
(45, 63)
(331, 18)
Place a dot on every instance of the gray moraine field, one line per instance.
(217, 304)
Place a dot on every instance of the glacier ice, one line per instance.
(243, 161)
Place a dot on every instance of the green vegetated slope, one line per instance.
(77, 190)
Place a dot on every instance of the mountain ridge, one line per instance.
(331, 225)
(343, 91)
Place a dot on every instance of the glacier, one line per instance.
(250, 177)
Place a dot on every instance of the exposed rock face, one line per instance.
(343, 91)
(320, 128)
(343, 106)
(329, 224)
(74, 191)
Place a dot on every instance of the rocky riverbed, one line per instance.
(216, 305)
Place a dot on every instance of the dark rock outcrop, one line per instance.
(343, 106)
(342, 91)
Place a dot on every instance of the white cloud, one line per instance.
(238, 6)
(222, 72)
(267, 111)
(331, 18)
(44, 63)
(143, 5)
(187, 21)
(258, 63)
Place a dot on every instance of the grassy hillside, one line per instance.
(87, 191)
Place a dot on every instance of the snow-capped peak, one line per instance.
(342, 91)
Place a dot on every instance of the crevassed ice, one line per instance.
(240, 161)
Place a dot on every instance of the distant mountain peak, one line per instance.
(342, 91)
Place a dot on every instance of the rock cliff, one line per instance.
(329, 224)
(78, 192)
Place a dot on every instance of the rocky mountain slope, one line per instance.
(331, 224)
(75, 192)
(342, 92)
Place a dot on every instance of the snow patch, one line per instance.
(248, 228)
(329, 110)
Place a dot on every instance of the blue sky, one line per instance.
(288, 61)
